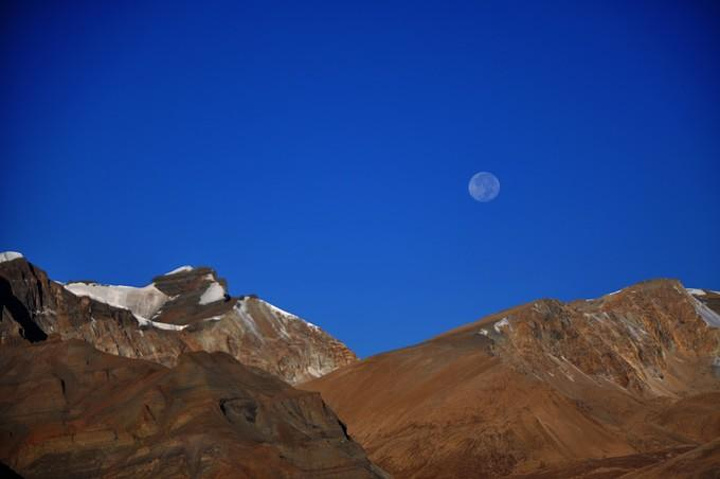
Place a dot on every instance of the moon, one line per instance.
(484, 186)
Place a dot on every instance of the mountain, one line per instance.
(187, 309)
(625, 384)
(69, 410)
(178, 378)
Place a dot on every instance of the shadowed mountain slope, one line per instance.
(68, 410)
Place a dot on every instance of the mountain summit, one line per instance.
(187, 309)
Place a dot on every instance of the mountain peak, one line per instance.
(188, 310)
(9, 256)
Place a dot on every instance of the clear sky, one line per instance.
(318, 153)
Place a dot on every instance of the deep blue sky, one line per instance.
(318, 153)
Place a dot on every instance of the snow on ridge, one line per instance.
(695, 291)
(156, 324)
(277, 310)
(181, 269)
(214, 292)
(312, 325)
(282, 312)
(143, 302)
(245, 317)
(9, 256)
(711, 318)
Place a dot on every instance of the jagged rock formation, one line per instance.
(68, 410)
(185, 310)
(623, 384)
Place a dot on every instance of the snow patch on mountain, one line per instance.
(181, 269)
(156, 324)
(214, 292)
(282, 312)
(9, 256)
(245, 317)
(710, 317)
(143, 302)
(277, 310)
(503, 323)
(310, 325)
(695, 291)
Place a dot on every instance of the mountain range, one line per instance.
(180, 379)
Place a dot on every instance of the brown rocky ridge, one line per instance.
(185, 310)
(68, 410)
(627, 385)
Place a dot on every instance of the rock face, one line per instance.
(622, 384)
(68, 410)
(187, 310)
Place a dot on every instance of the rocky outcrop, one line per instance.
(68, 410)
(547, 389)
(628, 338)
(188, 310)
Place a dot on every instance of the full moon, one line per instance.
(484, 186)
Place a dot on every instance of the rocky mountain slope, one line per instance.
(185, 310)
(180, 379)
(69, 410)
(625, 384)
